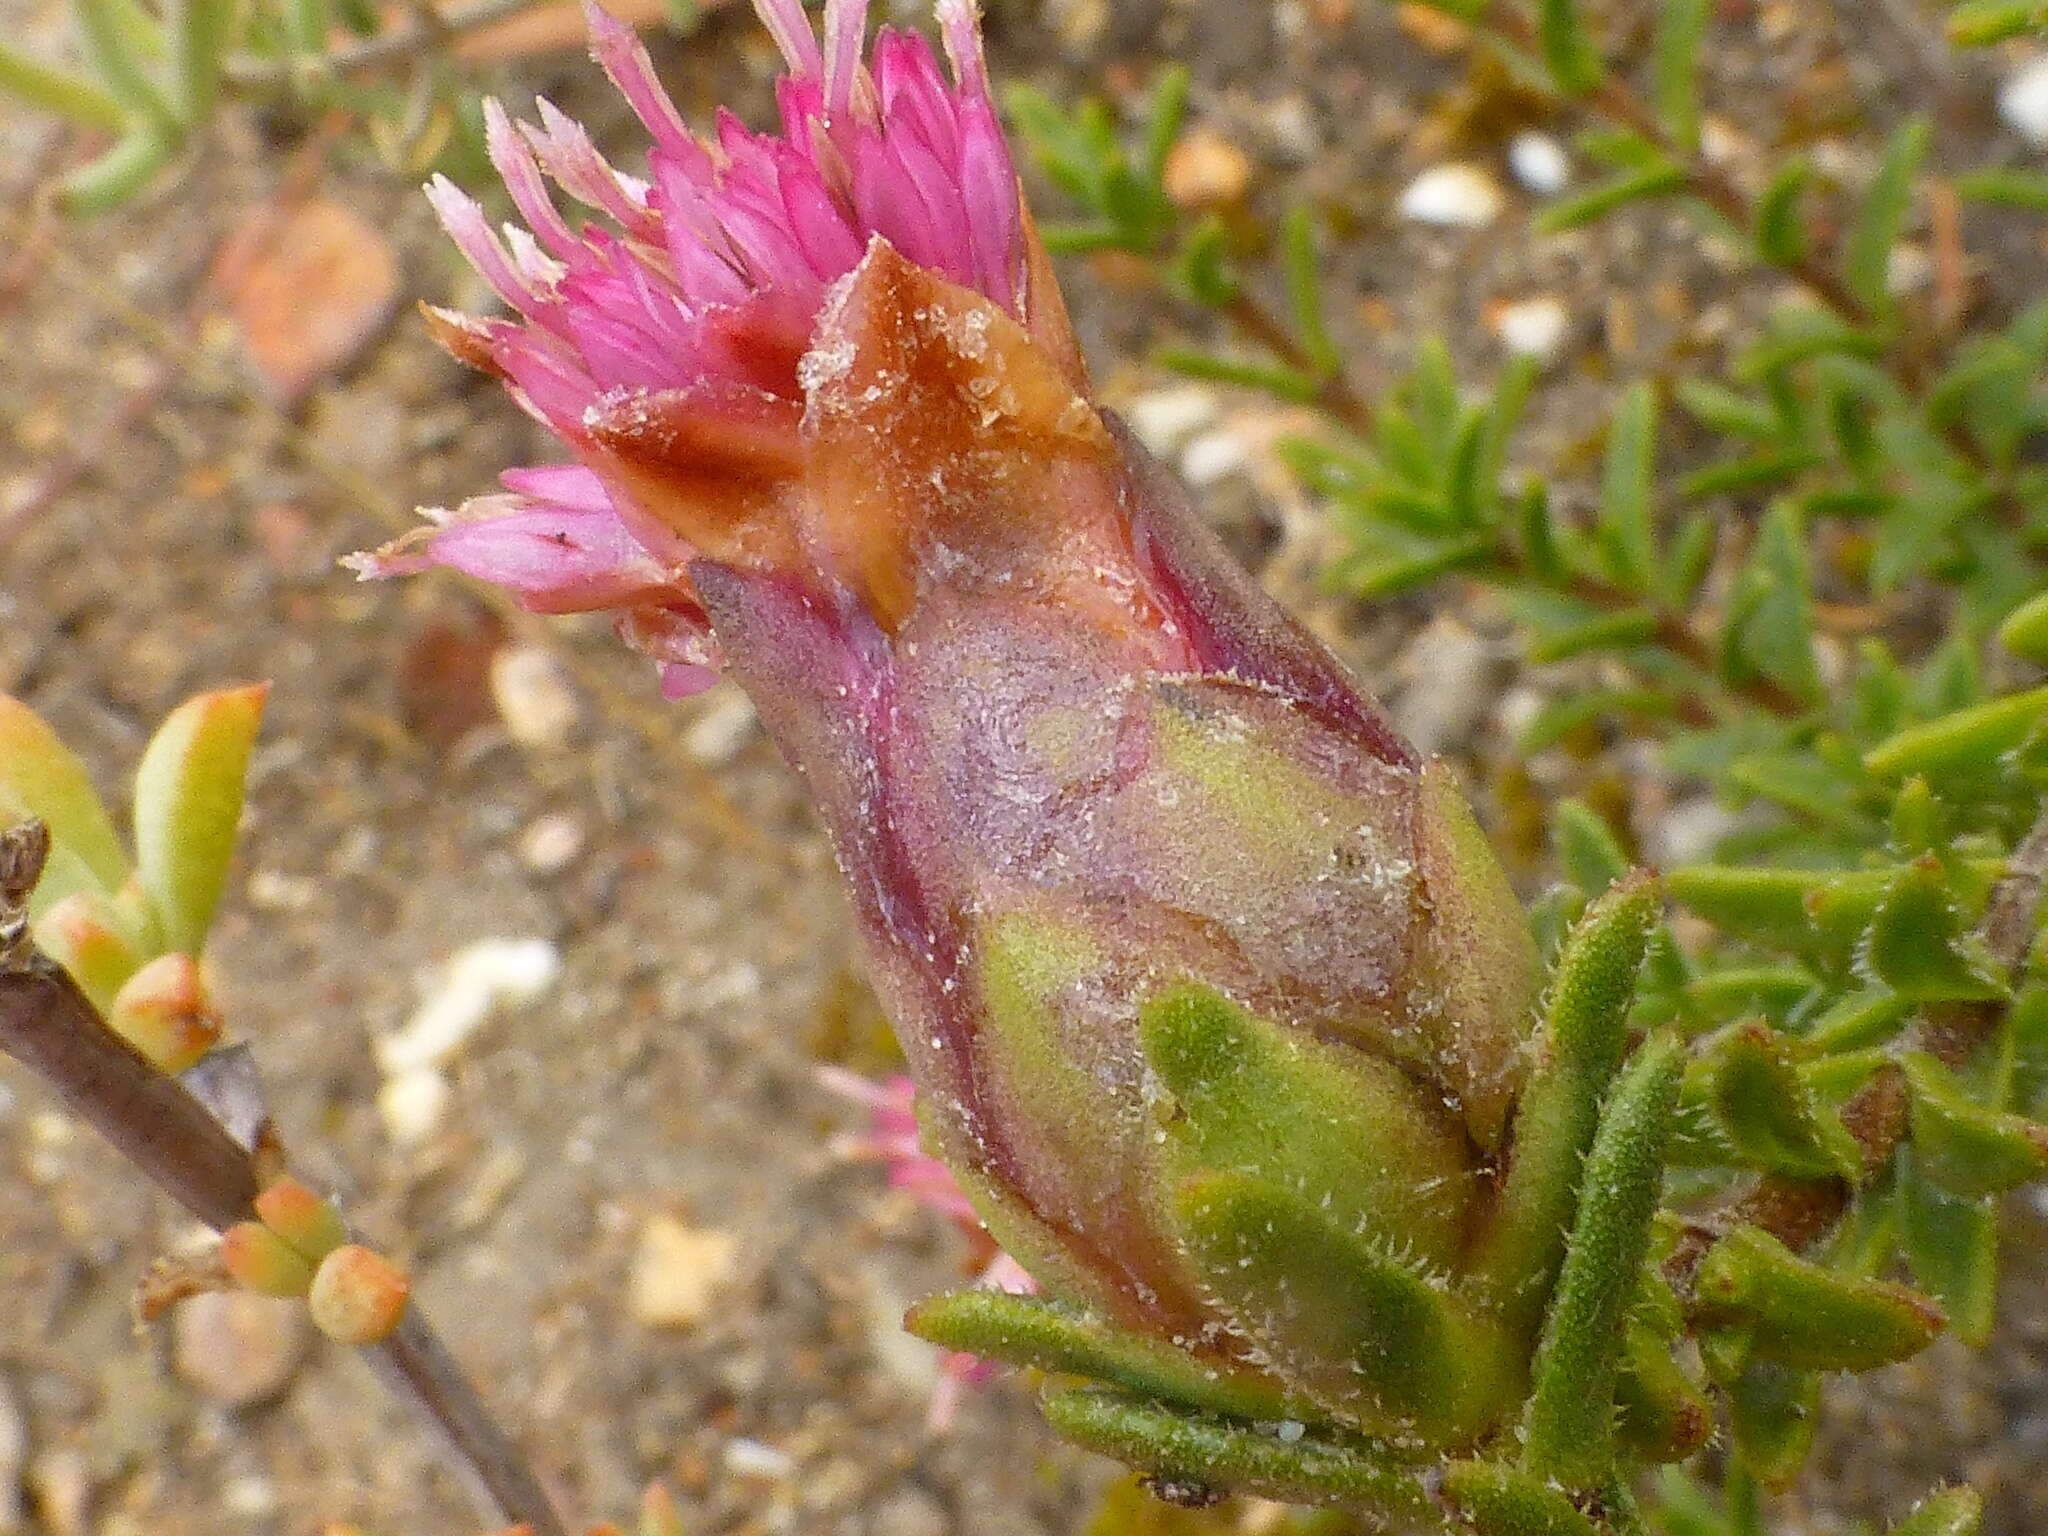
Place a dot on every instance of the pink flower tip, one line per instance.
(697, 287)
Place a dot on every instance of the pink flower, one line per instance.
(892, 1139)
(669, 330)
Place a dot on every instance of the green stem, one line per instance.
(58, 91)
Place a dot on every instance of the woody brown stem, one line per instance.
(53, 1029)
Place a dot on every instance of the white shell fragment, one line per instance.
(1455, 196)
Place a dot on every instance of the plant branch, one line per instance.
(1335, 395)
(52, 1028)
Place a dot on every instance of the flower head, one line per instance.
(666, 325)
(1184, 945)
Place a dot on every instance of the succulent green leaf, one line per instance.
(1344, 1319)
(1660, 180)
(1773, 1411)
(41, 777)
(1275, 379)
(1568, 1426)
(1980, 23)
(1732, 414)
(1303, 265)
(1561, 717)
(188, 806)
(1964, 1148)
(1627, 531)
(1802, 1314)
(1952, 1512)
(1344, 1131)
(1585, 1030)
(1201, 268)
(1866, 255)
(1661, 1413)
(2025, 630)
(1568, 51)
(199, 31)
(1163, 124)
(1203, 1452)
(1856, 1021)
(1951, 1249)
(1919, 945)
(1770, 1117)
(84, 934)
(1502, 1500)
(1675, 63)
(1780, 231)
(1588, 853)
(57, 91)
(111, 47)
(1770, 624)
(1048, 1335)
(2005, 186)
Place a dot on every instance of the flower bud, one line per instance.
(358, 1296)
(1216, 998)
(260, 1260)
(163, 1010)
(301, 1218)
(84, 934)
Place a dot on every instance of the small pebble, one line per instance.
(2023, 100)
(1212, 457)
(237, 1347)
(909, 1512)
(1205, 170)
(413, 1105)
(550, 844)
(754, 1458)
(61, 1484)
(1166, 418)
(535, 697)
(480, 979)
(1539, 163)
(1455, 196)
(679, 1272)
(721, 728)
(1535, 328)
